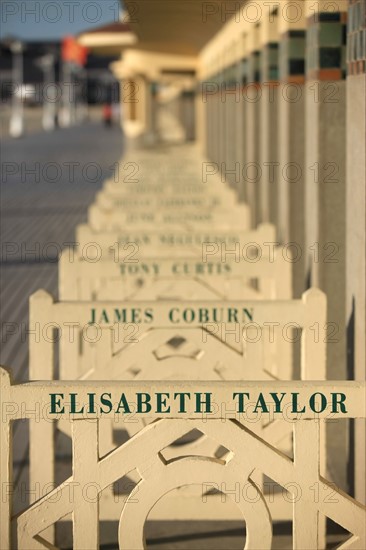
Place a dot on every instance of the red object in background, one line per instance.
(72, 51)
(107, 114)
(83, 55)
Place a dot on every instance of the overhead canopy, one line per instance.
(180, 27)
(109, 39)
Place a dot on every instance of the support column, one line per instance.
(222, 112)
(243, 118)
(206, 103)
(291, 141)
(202, 118)
(242, 68)
(268, 148)
(356, 223)
(215, 123)
(216, 126)
(204, 106)
(325, 193)
(150, 130)
(252, 93)
(231, 100)
(137, 104)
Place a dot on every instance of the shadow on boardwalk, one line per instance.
(48, 181)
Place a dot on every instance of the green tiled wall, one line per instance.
(326, 44)
(254, 67)
(356, 43)
(292, 54)
(269, 61)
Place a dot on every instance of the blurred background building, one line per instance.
(47, 78)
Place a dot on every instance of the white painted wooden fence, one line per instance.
(145, 242)
(169, 348)
(114, 208)
(80, 279)
(101, 219)
(128, 192)
(170, 200)
(76, 319)
(248, 455)
(136, 333)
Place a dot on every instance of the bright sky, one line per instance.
(52, 19)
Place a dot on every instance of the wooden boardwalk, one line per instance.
(38, 218)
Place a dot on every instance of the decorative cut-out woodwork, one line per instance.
(248, 455)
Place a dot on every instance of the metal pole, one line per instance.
(84, 94)
(49, 105)
(16, 128)
(67, 93)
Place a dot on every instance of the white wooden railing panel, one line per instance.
(248, 454)
(100, 218)
(169, 242)
(83, 280)
(139, 361)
